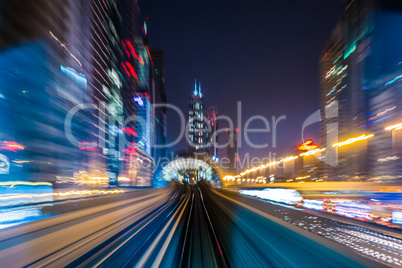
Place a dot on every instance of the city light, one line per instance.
(230, 177)
(273, 163)
(65, 47)
(104, 164)
(393, 80)
(123, 179)
(383, 112)
(394, 127)
(139, 100)
(11, 146)
(312, 152)
(24, 183)
(303, 177)
(353, 140)
(307, 146)
(89, 192)
(390, 158)
(286, 196)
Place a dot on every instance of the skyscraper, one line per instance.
(89, 70)
(360, 77)
(44, 58)
(159, 99)
(136, 66)
(197, 125)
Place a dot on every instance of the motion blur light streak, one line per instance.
(303, 177)
(65, 47)
(11, 146)
(394, 127)
(16, 183)
(312, 152)
(123, 179)
(22, 196)
(287, 196)
(394, 80)
(89, 192)
(389, 158)
(383, 112)
(353, 140)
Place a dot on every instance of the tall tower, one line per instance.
(197, 122)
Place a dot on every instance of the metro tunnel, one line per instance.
(193, 170)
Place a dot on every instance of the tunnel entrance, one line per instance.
(193, 170)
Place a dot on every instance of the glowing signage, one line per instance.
(307, 146)
(139, 100)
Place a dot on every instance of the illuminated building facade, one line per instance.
(197, 125)
(136, 65)
(88, 53)
(360, 76)
(45, 61)
(107, 84)
(159, 93)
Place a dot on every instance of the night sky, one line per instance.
(263, 53)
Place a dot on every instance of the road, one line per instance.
(177, 226)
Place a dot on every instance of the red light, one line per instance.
(85, 146)
(130, 150)
(307, 146)
(237, 159)
(130, 131)
(226, 130)
(237, 130)
(130, 46)
(149, 54)
(125, 49)
(130, 67)
(129, 75)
